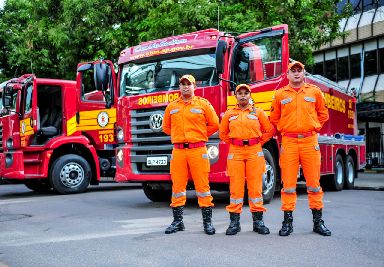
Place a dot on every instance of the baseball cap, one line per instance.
(243, 86)
(295, 63)
(189, 78)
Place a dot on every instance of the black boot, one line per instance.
(207, 220)
(234, 225)
(287, 227)
(177, 224)
(258, 223)
(318, 223)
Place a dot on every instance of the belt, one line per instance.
(298, 135)
(189, 145)
(245, 142)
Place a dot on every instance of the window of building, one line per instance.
(370, 63)
(342, 68)
(318, 68)
(330, 69)
(381, 59)
(355, 65)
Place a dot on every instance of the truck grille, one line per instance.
(146, 141)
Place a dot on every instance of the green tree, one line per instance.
(50, 37)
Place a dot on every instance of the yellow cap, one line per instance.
(243, 86)
(295, 63)
(189, 78)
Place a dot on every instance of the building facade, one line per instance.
(356, 62)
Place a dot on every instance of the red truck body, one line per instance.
(55, 134)
(148, 80)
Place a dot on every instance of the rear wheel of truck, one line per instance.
(350, 173)
(70, 174)
(156, 194)
(40, 186)
(336, 182)
(269, 177)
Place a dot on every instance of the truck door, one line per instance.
(96, 114)
(28, 110)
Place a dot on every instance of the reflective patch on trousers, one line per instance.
(230, 156)
(203, 194)
(236, 200)
(256, 200)
(289, 190)
(180, 194)
(260, 154)
(317, 147)
(314, 189)
(205, 156)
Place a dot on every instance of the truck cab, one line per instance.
(55, 134)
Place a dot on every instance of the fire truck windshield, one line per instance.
(164, 75)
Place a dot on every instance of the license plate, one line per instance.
(157, 161)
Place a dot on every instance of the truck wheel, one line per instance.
(349, 173)
(337, 180)
(40, 186)
(269, 177)
(156, 195)
(70, 174)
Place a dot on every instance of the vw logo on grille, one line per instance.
(156, 122)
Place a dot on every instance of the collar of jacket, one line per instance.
(302, 88)
(249, 108)
(192, 101)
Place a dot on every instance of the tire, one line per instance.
(39, 186)
(350, 173)
(336, 182)
(269, 177)
(156, 195)
(70, 174)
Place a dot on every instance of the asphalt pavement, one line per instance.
(370, 180)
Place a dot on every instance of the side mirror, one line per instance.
(8, 97)
(102, 76)
(220, 50)
(84, 67)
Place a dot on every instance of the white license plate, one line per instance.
(157, 161)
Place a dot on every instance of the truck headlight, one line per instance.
(120, 135)
(119, 155)
(213, 152)
(9, 143)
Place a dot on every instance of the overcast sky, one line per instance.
(2, 3)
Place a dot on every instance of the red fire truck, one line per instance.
(148, 80)
(56, 134)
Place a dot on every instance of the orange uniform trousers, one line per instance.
(246, 163)
(193, 161)
(304, 151)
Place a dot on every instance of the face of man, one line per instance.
(187, 89)
(243, 96)
(296, 76)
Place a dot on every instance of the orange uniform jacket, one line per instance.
(299, 112)
(191, 122)
(245, 124)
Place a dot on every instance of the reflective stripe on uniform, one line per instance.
(314, 189)
(203, 194)
(309, 99)
(236, 200)
(173, 111)
(260, 154)
(180, 194)
(196, 111)
(233, 118)
(252, 117)
(286, 101)
(289, 190)
(256, 200)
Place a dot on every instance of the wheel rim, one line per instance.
(72, 175)
(339, 175)
(268, 179)
(350, 172)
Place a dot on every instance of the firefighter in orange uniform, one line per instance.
(190, 120)
(299, 112)
(246, 128)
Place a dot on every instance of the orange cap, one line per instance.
(243, 86)
(189, 78)
(295, 63)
